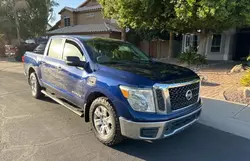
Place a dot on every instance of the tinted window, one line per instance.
(40, 48)
(55, 49)
(72, 49)
(109, 51)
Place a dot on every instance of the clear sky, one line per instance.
(63, 3)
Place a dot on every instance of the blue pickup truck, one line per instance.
(116, 87)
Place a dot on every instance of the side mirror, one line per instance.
(75, 61)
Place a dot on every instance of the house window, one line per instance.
(216, 42)
(66, 21)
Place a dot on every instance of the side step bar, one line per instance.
(65, 104)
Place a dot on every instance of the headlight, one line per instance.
(139, 99)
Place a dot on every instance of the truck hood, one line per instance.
(155, 71)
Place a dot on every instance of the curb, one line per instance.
(236, 103)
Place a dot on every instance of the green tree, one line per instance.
(210, 16)
(28, 17)
(149, 17)
(179, 16)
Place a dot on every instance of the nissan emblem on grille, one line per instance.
(179, 97)
(189, 95)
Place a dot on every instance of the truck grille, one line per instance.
(160, 100)
(178, 97)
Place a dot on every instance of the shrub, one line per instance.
(248, 58)
(245, 80)
(192, 58)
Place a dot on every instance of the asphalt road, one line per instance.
(43, 130)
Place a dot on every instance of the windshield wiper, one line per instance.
(111, 62)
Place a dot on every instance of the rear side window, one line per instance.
(56, 48)
(72, 49)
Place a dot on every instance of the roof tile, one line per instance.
(86, 29)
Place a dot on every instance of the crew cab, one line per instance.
(116, 87)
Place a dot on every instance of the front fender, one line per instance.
(114, 95)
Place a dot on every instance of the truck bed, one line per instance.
(31, 59)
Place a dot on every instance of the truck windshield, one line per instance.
(109, 51)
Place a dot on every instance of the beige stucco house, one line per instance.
(233, 44)
(87, 19)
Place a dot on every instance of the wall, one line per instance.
(115, 35)
(227, 46)
(83, 19)
(106, 35)
(159, 49)
(215, 55)
(69, 14)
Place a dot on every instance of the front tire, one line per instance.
(35, 86)
(105, 122)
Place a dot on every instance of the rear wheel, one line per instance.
(105, 122)
(35, 86)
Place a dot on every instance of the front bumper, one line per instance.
(157, 130)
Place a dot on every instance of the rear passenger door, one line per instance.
(50, 64)
(74, 78)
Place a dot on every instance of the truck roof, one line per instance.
(81, 37)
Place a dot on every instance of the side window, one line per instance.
(72, 49)
(55, 48)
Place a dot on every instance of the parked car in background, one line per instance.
(36, 45)
(10, 50)
(116, 87)
(40, 48)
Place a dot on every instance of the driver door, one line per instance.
(73, 78)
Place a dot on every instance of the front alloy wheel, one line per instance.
(105, 122)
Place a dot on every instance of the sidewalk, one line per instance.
(226, 116)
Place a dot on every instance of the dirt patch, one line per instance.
(235, 94)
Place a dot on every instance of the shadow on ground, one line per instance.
(196, 144)
(47, 99)
(209, 84)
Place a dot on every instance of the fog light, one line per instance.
(149, 132)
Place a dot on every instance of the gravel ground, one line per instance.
(236, 95)
(214, 84)
(223, 86)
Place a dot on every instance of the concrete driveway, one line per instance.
(43, 130)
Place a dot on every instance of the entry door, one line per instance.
(190, 42)
(50, 64)
(74, 78)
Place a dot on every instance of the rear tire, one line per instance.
(105, 122)
(35, 86)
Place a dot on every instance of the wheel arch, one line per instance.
(90, 98)
(30, 70)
